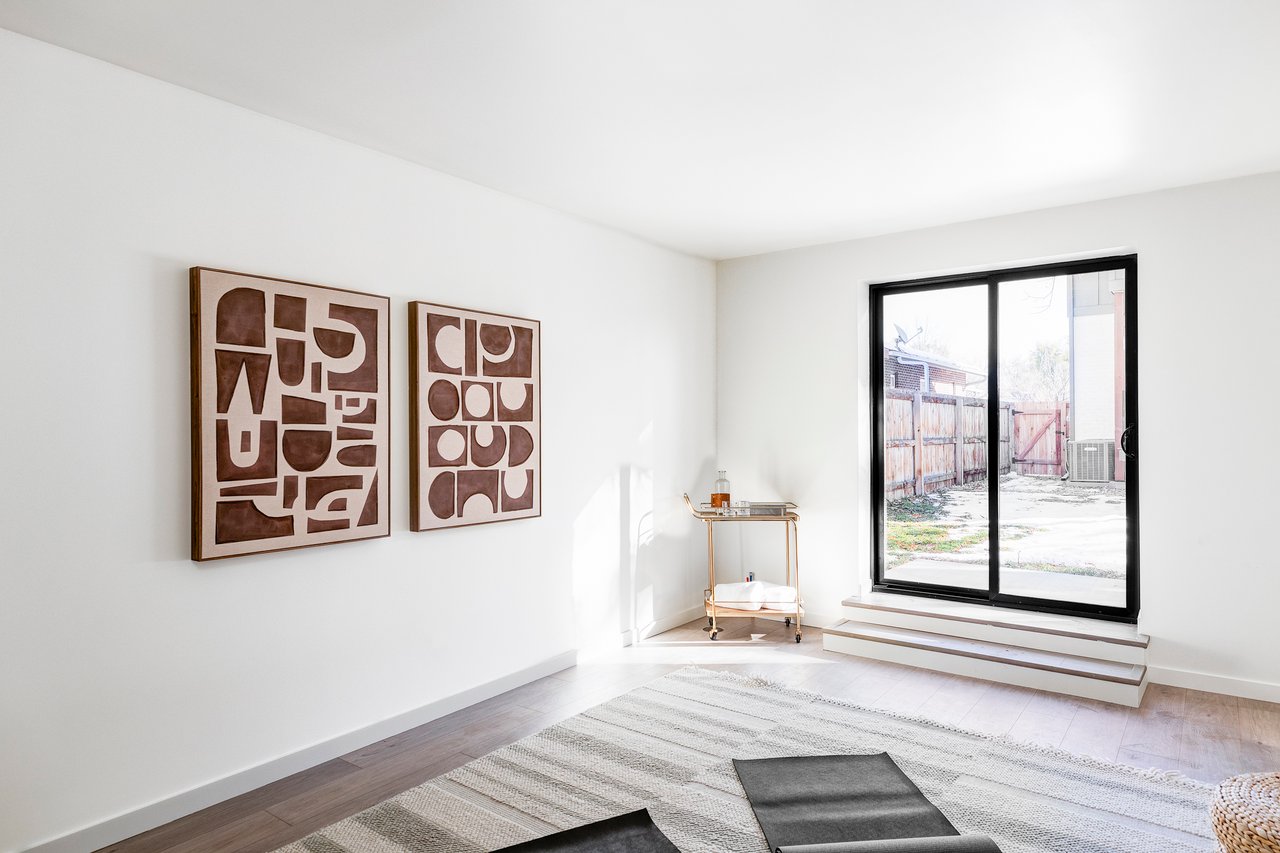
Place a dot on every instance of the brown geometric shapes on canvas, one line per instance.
(367, 415)
(300, 410)
(228, 366)
(472, 483)
(469, 361)
(242, 521)
(521, 442)
(525, 499)
(298, 357)
(436, 323)
(369, 512)
(322, 525)
(496, 340)
(291, 360)
(264, 467)
(365, 376)
(525, 410)
(318, 487)
(242, 318)
(251, 490)
(442, 494)
(290, 313)
(334, 342)
(520, 362)
(307, 449)
(360, 456)
(454, 466)
(443, 400)
(488, 455)
(446, 446)
(477, 401)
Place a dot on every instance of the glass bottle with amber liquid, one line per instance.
(720, 494)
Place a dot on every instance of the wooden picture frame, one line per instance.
(290, 414)
(475, 417)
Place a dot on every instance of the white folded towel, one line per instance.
(753, 595)
(776, 593)
(740, 596)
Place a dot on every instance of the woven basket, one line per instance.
(1246, 813)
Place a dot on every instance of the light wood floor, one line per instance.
(1204, 735)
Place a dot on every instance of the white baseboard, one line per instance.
(666, 623)
(179, 805)
(819, 620)
(1244, 687)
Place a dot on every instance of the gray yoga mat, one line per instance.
(633, 832)
(936, 844)
(840, 801)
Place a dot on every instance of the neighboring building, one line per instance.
(917, 371)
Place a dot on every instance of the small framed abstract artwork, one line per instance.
(290, 414)
(475, 415)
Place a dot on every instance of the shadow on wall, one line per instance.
(623, 569)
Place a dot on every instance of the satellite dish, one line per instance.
(903, 337)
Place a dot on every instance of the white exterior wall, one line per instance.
(1093, 350)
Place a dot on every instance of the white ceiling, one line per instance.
(732, 127)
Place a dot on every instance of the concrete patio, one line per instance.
(1059, 540)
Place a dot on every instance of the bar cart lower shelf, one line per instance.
(720, 611)
(716, 610)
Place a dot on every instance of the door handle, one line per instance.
(1124, 443)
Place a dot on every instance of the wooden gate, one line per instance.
(1040, 437)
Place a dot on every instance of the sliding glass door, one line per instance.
(935, 487)
(1004, 421)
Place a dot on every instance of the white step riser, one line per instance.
(1038, 679)
(1097, 649)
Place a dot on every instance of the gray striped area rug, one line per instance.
(667, 746)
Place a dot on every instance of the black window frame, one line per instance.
(992, 595)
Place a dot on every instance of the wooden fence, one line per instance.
(933, 441)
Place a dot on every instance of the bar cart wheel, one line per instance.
(797, 636)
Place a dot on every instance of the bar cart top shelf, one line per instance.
(745, 511)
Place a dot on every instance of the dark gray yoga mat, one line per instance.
(633, 832)
(845, 799)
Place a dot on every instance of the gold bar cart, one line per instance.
(717, 610)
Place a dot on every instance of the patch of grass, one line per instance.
(1010, 532)
(929, 507)
(916, 536)
(1086, 571)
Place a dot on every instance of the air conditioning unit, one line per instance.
(1091, 461)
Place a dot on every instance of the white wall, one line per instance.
(793, 389)
(128, 673)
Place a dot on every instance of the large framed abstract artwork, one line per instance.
(290, 414)
(475, 414)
